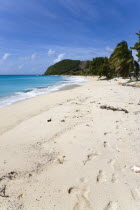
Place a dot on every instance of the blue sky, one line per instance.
(37, 33)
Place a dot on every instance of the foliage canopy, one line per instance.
(137, 46)
(121, 60)
(100, 66)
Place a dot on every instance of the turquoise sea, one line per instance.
(14, 88)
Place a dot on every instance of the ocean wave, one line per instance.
(32, 92)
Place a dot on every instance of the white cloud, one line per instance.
(108, 49)
(30, 58)
(59, 58)
(5, 56)
(51, 52)
(33, 56)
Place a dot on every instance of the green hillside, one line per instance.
(66, 67)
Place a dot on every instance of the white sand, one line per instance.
(83, 159)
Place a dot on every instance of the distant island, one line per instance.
(68, 67)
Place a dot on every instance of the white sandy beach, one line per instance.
(61, 151)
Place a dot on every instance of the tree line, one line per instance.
(120, 63)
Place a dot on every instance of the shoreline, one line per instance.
(33, 110)
(25, 94)
(63, 151)
(66, 87)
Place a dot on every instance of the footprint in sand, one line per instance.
(135, 194)
(112, 163)
(90, 157)
(82, 196)
(101, 177)
(83, 180)
(114, 178)
(117, 148)
(111, 206)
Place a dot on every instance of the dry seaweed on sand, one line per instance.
(113, 108)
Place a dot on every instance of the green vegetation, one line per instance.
(137, 46)
(68, 67)
(136, 69)
(106, 71)
(95, 64)
(120, 63)
(63, 67)
(100, 66)
(121, 60)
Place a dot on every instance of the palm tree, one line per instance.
(121, 60)
(137, 46)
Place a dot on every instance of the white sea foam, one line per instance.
(29, 93)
